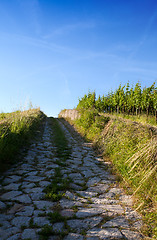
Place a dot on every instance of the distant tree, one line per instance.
(99, 104)
(127, 93)
(87, 101)
(147, 100)
(137, 97)
(130, 101)
(155, 102)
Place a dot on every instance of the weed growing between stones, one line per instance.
(63, 151)
(56, 190)
(47, 230)
(56, 217)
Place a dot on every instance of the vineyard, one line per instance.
(126, 100)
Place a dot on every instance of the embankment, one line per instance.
(132, 148)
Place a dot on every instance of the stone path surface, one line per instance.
(94, 207)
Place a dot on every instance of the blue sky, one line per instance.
(54, 51)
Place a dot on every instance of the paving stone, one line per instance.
(78, 181)
(79, 225)
(36, 213)
(113, 192)
(58, 227)
(88, 212)
(108, 233)
(130, 235)
(111, 208)
(99, 188)
(21, 221)
(12, 186)
(34, 179)
(5, 224)
(23, 199)
(75, 186)
(25, 211)
(2, 205)
(5, 217)
(44, 204)
(32, 173)
(65, 203)
(92, 238)
(29, 234)
(28, 185)
(14, 237)
(34, 190)
(44, 183)
(93, 181)
(10, 231)
(69, 195)
(15, 208)
(50, 173)
(10, 195)
(67, 213)
(73, 236)
(100, 200)
(86, 194)
(87, 173)
(117, 222)
(127, 200)
(21, 172)
(37, 196)
(41, 221)
(75, 176)
(11, 179)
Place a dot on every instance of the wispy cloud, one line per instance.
(146, 33)
(33, 11)
(37, 42)
(68, 28)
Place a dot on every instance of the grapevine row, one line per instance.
(134, 100)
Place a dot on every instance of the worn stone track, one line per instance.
(95, 207)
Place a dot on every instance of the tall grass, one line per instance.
(142, 118)
(16, 131)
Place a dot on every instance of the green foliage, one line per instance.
(124, 100)
(56, 190)
(45, 232)
(16, 131)
(56, 217)
(90, 123)
(88, 101)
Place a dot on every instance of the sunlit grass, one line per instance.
(16, 131)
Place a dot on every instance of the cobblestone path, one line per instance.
(94, 207)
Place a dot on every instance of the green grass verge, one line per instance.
(17, 129)
(142, 118)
